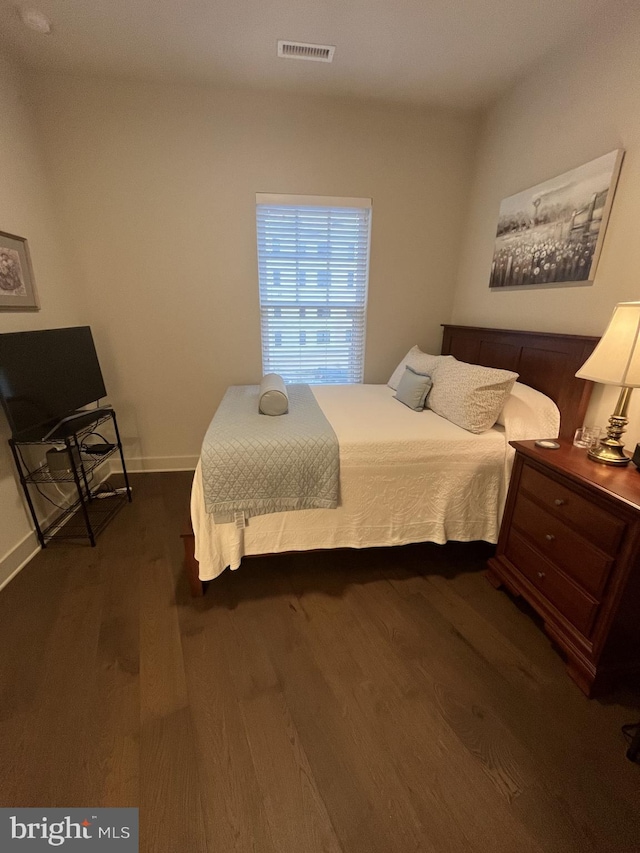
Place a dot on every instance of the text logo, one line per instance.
(103, 830)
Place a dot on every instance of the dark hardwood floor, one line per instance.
(364, 702)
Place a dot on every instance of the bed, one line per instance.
(407, 477)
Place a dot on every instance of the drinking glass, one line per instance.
(587, 436)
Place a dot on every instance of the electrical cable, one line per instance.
(47, 498)
(105, 488)
(86, 448)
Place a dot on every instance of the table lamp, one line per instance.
(616, 361)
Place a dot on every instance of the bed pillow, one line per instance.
(413, 389)
(419, 361)
(529, 414)
(273, 398)
(470, 395)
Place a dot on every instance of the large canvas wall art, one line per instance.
(552, 234)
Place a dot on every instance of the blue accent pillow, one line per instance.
(413, 389)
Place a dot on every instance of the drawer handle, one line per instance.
(549, 537)
(559, 502)
(541, 574)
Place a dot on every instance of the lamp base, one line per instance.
(609, 452)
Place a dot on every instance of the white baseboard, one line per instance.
(18, 557)
(151, 464)
(25, 550)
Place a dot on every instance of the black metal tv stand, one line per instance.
(90, 511)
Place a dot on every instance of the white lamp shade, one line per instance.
(616, 358)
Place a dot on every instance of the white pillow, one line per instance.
(470, 395)
(528, 414)
(417, 360)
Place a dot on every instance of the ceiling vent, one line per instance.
(304, 50)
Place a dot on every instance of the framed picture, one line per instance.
(552, 234)
(17, 287)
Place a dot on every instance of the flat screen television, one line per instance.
(45, 376)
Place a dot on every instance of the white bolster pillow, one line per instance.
(273, 395)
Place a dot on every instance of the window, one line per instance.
(313, 269)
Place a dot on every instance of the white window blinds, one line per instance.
(313, 267)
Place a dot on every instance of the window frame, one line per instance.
(327, 203)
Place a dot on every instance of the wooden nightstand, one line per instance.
(570, 545)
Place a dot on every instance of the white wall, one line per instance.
(157, 187)
(583, 101)
(26, 209)
(153, 190)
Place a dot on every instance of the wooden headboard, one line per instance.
(545, 361)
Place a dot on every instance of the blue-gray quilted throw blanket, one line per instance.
(254, 464)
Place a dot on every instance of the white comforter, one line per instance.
(405, 477)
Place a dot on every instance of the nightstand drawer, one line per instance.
(564, 547)
(574, 604)
(592, 521)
